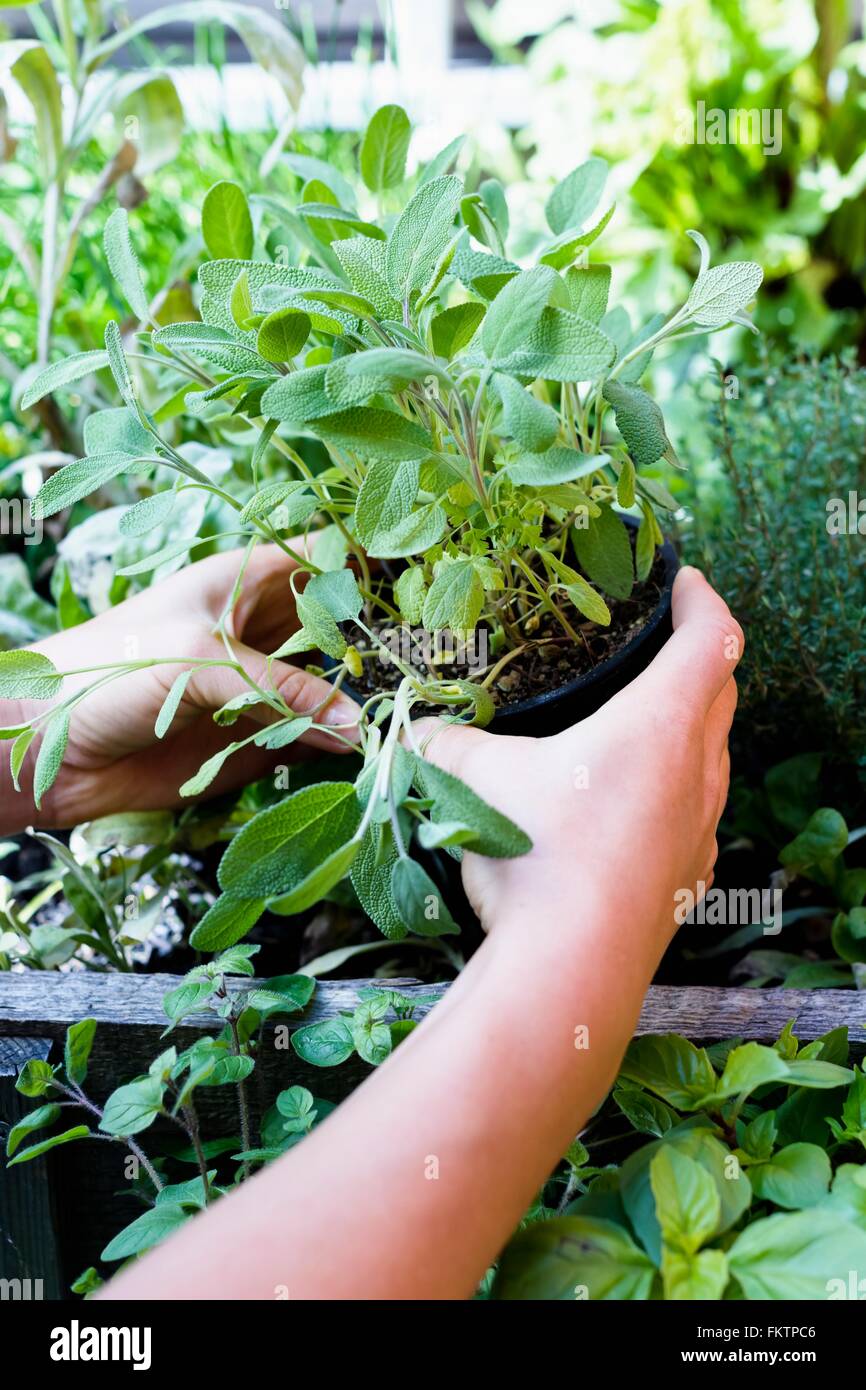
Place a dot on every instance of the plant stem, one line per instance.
(242, 1098)
(76, 1093)
(546, 601)
(191, 1126)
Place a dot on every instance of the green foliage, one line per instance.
(748, 112)
(781, 550)
(820, 872)
(718, 1204)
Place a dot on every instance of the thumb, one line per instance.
(697, 662)
(213, 686)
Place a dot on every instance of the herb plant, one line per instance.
(749, 1182)
(795, 575)
(378, 372)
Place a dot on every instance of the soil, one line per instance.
(549, 660)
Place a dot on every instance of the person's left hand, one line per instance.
(113, 761)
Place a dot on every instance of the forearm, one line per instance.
(413, 1186)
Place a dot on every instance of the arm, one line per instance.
(415, 1183)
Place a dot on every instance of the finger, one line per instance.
(699, 659)
(213, 686)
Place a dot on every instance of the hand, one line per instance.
(114, 762)
(622, 808)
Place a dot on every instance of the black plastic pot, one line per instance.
(557, 709)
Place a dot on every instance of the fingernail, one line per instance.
(341, 712)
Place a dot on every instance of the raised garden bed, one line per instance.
(63, 1208)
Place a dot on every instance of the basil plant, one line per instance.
(458, 432)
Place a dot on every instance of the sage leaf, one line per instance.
(282, 845)
(384, 148)
(575, 197)
(722, 292)
(226, 224)
(495, 834)
(419, 902)
(28, 675)
(420, 235)
(225, 922)
(123, 263)
(50, 755)
(63, 373)
(604, 552)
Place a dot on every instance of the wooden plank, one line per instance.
(47, 1002)
(29, 1249)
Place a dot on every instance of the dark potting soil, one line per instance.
(550, 659)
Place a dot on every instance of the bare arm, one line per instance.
(413, 1186)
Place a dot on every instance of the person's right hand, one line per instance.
(622, 808)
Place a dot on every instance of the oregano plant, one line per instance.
(458, 435)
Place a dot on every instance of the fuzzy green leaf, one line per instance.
(78, 479)
(50, 755)
(123, 263)
(226, 224)
(723, 291)
(604, 551)
(576, 197)
(63, 373)
(384, 148)
(639, 421)
(588, 287)
(516, 313)
(495, 834)
(418, 901)
(531, 423)
(225, 922)
(454, 599)
(282, 845)
(283, 334)
(28, 676)
(421, 234)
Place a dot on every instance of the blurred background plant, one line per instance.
(629, 79)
